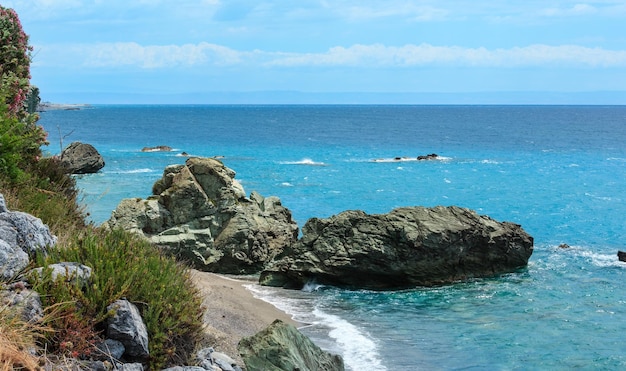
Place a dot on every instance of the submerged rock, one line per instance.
(408, 247)
(281, 346)
(81, 158)
(201, 214)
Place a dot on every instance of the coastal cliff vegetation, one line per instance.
(124, 266)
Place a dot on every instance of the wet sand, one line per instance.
(232, 312)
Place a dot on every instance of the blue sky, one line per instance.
(345, 51)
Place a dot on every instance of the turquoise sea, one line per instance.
(559, 171)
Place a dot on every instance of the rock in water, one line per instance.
(200, 213)
(281, 346)
(81, 158)
(408, 247)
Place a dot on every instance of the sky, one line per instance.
(327, 51)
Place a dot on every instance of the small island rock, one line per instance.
(157, 149)
(408, 247)
(81, 158)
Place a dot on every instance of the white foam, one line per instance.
(286, 184)
(304, 161)
(603, 260)
(358, 350)
(494, 162)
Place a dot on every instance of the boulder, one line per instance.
(201, 214)
(21, 235)
(621, 256)
(127, 326)
(408, 247)
(70, 272)
(281, 346)
(81, 158)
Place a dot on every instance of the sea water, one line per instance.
(559, 171)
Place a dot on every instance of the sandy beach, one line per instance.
(232, 312)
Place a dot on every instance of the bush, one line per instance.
(15, 57)
(125, 265)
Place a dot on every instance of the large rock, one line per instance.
(81, 158)
(200, 213)
(408, 247)
(127, 327)
(281, 346)
(21, 235)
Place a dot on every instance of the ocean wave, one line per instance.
(602, 260)
(358, 350)
(304, 161)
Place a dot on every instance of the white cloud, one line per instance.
(407, 10)
(378, 55)
(130, 54)
(575, 10)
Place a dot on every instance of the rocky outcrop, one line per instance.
(200, 213)
(21, 235)
(282, 347)
(408, 247)
(81, 158)
(157, 149)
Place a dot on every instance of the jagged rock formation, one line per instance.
(281, 346)
(408, 247)
(81, 158)
(200, 213)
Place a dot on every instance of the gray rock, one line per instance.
(281, 346)
(185, 368)
(13, 260)
(70, 272)
(21, 235)
(25, 231)
(109, 350)
(3, 204)
(81, 158)
(26, 301)
(223, 361)
(408, 247)
(131, 367)
(200, 213)
(128, 327)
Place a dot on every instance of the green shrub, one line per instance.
(15, 58)
(126, 266)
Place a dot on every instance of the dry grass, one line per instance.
(16, 338)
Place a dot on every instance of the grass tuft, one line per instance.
(125, 265)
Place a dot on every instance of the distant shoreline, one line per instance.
(47, 106)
